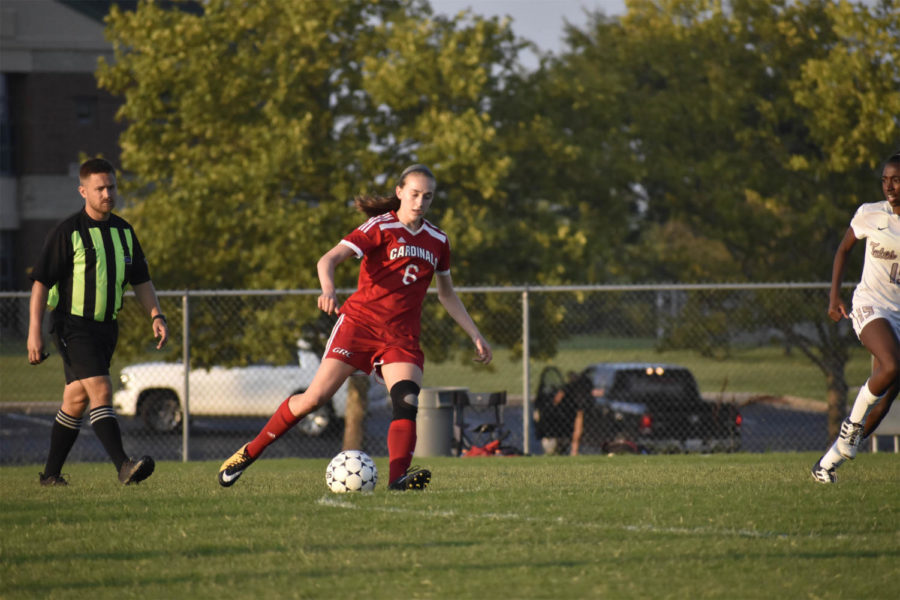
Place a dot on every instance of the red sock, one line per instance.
(401, 443)
(279, 424)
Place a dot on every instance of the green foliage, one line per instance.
(851, 93)
(721, 109)
(688, 140)
(752, 129)
(749, 526)
(252, 125)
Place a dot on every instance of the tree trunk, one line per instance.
(354, 418)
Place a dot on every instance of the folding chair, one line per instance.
(484, 405)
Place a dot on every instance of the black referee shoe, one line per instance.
(52, 480)
(135, 471)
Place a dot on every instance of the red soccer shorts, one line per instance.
(367, 349)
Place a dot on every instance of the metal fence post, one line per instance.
(526, 392)
(186, 357)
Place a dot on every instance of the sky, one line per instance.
(540, 21)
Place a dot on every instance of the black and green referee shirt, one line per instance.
(87, 264)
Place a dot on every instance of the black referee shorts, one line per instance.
(86, 345)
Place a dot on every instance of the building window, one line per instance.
(85, 109)
(6, 139)
(7, 266)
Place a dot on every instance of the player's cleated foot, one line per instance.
(849, 438)
(234, 467)
(415, 478)
(52, 480)
(135, 471)
(821, 474)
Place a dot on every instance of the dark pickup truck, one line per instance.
(642, 407)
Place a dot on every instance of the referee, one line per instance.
(81, 275)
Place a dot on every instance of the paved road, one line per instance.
(24, 437)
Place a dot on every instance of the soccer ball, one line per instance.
(351, 471)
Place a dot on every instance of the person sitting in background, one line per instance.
(562, 418)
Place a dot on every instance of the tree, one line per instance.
(719, 106)
(851, 92)
(251, 125)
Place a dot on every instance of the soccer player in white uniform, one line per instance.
(875, 316)
(378, 327)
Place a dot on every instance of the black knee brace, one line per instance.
(405, 399)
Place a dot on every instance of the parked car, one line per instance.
(648, 407)
(154, 391)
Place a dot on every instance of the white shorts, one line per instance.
(864, 314)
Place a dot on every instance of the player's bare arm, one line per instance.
(837, 310)
(455, 308)
(325, 268)
(577, 433)
(39, 293)
(146, 295)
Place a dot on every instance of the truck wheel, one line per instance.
(161, 411)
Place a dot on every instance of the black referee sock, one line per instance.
(106, 427)
(62, 438)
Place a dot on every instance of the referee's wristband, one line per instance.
(160, 316)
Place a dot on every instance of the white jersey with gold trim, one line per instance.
(880, 281)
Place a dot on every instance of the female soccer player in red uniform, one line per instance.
(378, 325)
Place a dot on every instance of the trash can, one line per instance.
(434, 421)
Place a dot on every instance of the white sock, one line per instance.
(865, 400)
(832, 458)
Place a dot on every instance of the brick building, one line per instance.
(52, 114)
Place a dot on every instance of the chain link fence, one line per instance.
(638, 368)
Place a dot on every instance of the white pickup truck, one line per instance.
(154, 391)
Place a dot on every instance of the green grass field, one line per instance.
(722, 526)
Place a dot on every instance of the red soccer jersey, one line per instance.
(397, 268)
